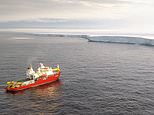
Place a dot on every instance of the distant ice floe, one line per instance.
(122, 40)
(58, 35)
(21, 38)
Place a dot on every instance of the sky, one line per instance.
(121, 15)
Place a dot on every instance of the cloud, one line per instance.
(33, 9)
(75, 13)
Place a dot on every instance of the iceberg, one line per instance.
(122, 40)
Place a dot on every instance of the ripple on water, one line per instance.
(97, 78)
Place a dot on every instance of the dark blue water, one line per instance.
(97, 78)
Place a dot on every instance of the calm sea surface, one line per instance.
(97, 78)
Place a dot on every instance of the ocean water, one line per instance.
(97, 78)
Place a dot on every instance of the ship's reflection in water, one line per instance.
(47, 98)
(48, 90)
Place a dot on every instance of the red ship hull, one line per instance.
(41, 81)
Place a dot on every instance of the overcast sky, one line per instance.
(105, 14)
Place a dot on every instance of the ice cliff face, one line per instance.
(122, 39)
